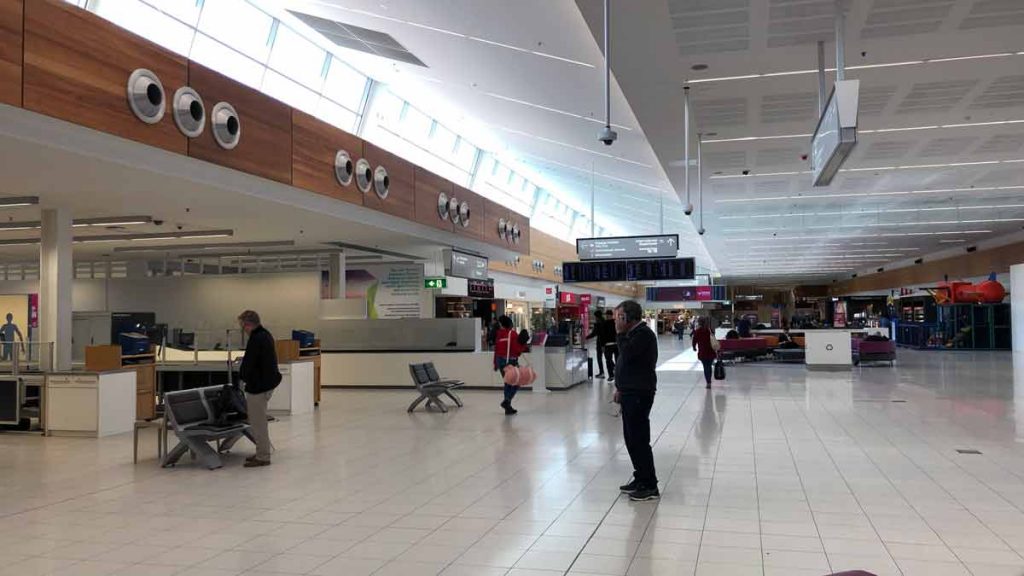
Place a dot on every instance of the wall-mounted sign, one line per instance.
(435, 283)
(480, 288)
(391, 290)
(568, 298)
(465, 265)
(629, 270)
(586, 299)
(685, 293)
(626, 247)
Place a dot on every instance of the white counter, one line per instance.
(391, 369)
(90, 404)
(828, 349)
(294, 395)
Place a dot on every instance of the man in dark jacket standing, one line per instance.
(635, 386)
(261, 376)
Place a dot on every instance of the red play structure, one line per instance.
(988, 292)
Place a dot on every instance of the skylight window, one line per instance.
(239, 25)
(231, 63)
(344, 85)
(147, 22)
(298, 58)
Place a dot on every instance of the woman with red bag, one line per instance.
(507, 350)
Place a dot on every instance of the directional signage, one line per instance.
(435, 283)
(628, 247)
(466, 265)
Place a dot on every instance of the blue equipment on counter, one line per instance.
(133, 343)
(306, 338)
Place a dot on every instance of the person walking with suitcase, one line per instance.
(637, 381)
(261, 376)
(704, 343)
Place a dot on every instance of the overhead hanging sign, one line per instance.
(627, 247)
(836, 134)
(465, 265)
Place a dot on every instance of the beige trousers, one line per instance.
(256, 406)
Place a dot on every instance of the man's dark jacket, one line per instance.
(638, 357)
(259, 365)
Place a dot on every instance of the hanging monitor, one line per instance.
(836, 134)
(465, 265)
(629, 270)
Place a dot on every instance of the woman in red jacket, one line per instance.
(705, 351)
(507, 350)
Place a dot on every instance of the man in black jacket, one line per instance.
(611, 349)
(261, 376)
(634, 391)
(598, 331)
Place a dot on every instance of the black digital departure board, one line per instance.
(629, 270)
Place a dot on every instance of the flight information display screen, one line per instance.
(629, 270)
(628, 247)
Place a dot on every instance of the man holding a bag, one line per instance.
(635, 385)
(261, 376)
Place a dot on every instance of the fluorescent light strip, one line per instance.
(155, 236)
(19, 201)
(880, 224)
(866, 194)
(835, 237)
(875, 169)
(549, 109)
(855, 67)
(863, 132)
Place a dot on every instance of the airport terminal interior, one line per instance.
(382, 287)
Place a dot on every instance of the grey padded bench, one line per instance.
(192, 415)
(431, 387)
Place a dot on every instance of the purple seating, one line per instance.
(873, 351)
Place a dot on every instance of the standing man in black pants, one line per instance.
(634, 390)
(611, 348)
(598, 331)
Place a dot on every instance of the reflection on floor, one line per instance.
(775, 472)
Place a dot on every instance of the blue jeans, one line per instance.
(510, 391)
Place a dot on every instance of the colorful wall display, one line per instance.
(392, 291)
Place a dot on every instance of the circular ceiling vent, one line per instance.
(442, 206)
(227, 129)
(381, 182)
(146, 96)
(364, 175)
(502, 229)
(464, 214)
(344, 168)
(453, 209)
(189, 112)
(515, 234)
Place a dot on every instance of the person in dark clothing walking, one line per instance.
(261, 376)
(611, 348)
(702, 343)
(634, 391)
(598, 331)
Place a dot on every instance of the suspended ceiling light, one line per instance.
(112, 221)
(180, 247)
(857, 67)
(154, 236)
(17, 201)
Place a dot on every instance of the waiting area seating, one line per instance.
(746, 348)
(431, 387)
(194, 417)
(873, 351)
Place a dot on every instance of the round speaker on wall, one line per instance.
(442, 206)
(502, 229)
(189, 112)
(146, 96)
(453, 209)
(464, 214)
(364, 175)
(227, 129)
(381, 182)
(344, 168)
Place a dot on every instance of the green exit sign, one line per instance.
(434, 283)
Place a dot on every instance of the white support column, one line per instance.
(55, 277)
(1017, 306)
(336, 275)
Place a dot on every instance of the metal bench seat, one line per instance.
(194, 418)
(431, 387)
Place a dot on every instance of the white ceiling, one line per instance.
(772, 227)
(530, 73)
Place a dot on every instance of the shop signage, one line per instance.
(586, 299)
(435, 283)
(685, 293)
(567, 298)
(480, 288)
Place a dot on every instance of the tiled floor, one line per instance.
(776, 472)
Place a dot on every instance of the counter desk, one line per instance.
(90, 404)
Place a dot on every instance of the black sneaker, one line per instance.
(633, 486)
(644, 494)
(611, 378)
(601, 375)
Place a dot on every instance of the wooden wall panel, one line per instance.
(314, 145)
(524, 241)
(265, 146)
(76, 68)
(428, 187)
(401, 200)
(11, 47)
(475, 229)
(979, 263)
